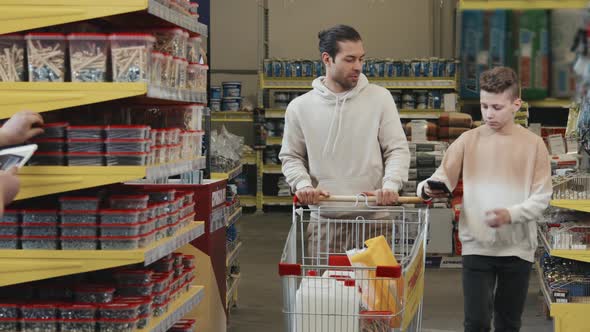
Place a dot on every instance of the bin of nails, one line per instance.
(76, 311)
(79, 242)
(46, 57)
(40, 325)
(129, 55)
(75, 203)
(88, 57)
(78, 325)
(12, 58)
(90, 294)
(118, 310)
(117, 325)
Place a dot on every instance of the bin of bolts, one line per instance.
(88, 57)
(46, 57)
(12, 58)
(130, 56)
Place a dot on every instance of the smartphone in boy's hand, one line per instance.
(437, 189)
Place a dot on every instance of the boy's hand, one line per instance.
(434, 193)
(497, 218)
(21, 127)
(310, 195)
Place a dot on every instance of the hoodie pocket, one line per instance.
(513, 234)
(349, 185)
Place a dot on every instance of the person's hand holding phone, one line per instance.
(436, 189)
(20, 128)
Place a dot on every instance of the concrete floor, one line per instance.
(260, 294)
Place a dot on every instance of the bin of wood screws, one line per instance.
(12, 58)
(46, 57)
(130, 56)
(88, 57)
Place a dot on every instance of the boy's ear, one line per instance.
(517, 104)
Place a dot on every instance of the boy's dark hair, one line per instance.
(329, 38)
(500, 79)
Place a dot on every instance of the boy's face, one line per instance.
(347, 66)
(498, 109)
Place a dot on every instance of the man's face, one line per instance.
(346, 68)
(498, 109)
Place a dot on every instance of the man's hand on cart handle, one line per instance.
(384, 196)
(310, 195)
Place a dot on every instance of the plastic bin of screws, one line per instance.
(87, 218)
(10, 216)
(9, 325)
(78, 325)
(127, 158)
(40, 325)
(78, 204)
(112, 216)
(129, 201)
(54, 130)
(169, 41)
(188, 261)
(12, 58)
(173, 229)
(9, 242)
(86, 159)
(79, 229)
(187, 210)
(39, 216)
(9, 310)
(178, 270)
(8, 229)
(163, 265)
(117, 325)
(173, 218)
(127, 132)
(188, 197)
(119, 242)
(133, 277)
(79, 242)
(160, 136)
(161, 233)
(39, 229)
(50, 144)
(136, 290)
(85, 145)
(46, 57)
(85, 132)
(88, 57)
(161, 281)
(161, 297)
(94, 294)
(144, 303)
(147, 226)
(117, 230)
(48, 159)
(162, 221)
(39, 311)
(156, 68)
(76, 311)
(130, 54)
(118, 310)
(147, 239)
(143, 321)
(127, 145)
(39, 242)
(161, 309)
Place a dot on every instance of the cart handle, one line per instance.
(361, 198)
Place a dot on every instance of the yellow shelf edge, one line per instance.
(278, 200)
(32, 14)
(274, 140)
(20, 265)
(550, 103)
(272, 169)
(227, 176)
(248, 200)
(582, 205)
(233, 255)
(521, 4)
(231, 291)
(183, 305)
(45, 180)
(577, 255)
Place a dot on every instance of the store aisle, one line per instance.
(260, 297)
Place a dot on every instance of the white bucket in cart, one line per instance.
(327, 304)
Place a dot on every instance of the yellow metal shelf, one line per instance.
(20, 15)
(234, 217)
(20, 266)
(272, 169)
(249, 159)
(577, 255)
(248, 201)
(274, 140)
(231, 256)
(227, 176)
(550, 103)
(570, 317)
(521, 4)
(178, 309)
(278, 200)
(274, 113)
(45, 180)
(231, 117)
(231, 295)
(582, 205)
(389, 83)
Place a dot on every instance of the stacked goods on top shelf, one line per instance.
(121, 299)
(227, 97)
(226, 151)
(452, 125)
(488, 39)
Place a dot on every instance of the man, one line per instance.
(344, 137)
(18, 129)
(507, 185)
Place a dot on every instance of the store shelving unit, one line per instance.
(178, 309)
(44, 180)
(231, 117)
(521, 4)
(230, 175)
(20, 266)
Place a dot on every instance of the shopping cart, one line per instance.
(322, 292)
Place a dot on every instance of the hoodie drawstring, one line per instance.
(325, 150)
(339, 113)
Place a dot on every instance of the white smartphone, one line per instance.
(16, 157)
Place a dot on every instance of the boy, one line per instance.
(506, 175)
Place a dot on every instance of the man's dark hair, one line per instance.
(329, 38)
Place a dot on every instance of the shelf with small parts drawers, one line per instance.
(178, 309)
(20, 265)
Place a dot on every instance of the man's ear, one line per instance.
(326, 58)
